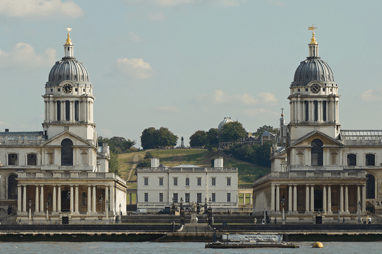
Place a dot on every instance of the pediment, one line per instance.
(56, 140)
(308, 138)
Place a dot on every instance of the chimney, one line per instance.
(218, 163)
(154, 162)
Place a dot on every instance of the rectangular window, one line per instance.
(315, 110)
(12, 159)
(146, 197)
(175, 197)
(199, 198)
(324, 111)
(175, 181)
(213, 197)
(228, 197)
(306, 110)
(160, 181)
(187, 181)
(187, 198)
(58, 110)
(160, 197)
(67, 110)
(146, 181)
(199, 181)
(213, 181)
(370, 160)
(76, 109)
(32, 159)
(228, 181)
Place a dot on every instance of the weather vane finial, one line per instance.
(282, 112)
(68, 40)
(313, 41)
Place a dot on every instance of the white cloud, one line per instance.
(372, 95)
(276, 2)
(134, 37)
(172, 109)
(171, 3)
(158, 16)
(135, 67)
(40, 8)
(24, 54)
(221, 97)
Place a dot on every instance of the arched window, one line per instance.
(306, 110)
(317, 153)
(370, 187)
(315, 110)
(352, 160)
(324, 111)
(66, 152)
(370, 160)
(12, 187)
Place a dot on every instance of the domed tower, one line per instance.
(313, 99)
(69, 97)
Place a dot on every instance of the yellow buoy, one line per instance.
(317, 245)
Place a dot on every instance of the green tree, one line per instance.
(149, 138)
(198, 139)
(117, 144)
(232, 131)
(144, 164)
(268, 128)
(114, 163)
(166, 137)
(213, 137)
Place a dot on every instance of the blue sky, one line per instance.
(187, 64)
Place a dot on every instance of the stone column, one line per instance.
(250, 198)
(107, 197)
(19, 197)
(312, 198)
(36, 203)
(295, 198)
(346, 199)
(364, 198)
(42, 199)
(290, 200)
(277, 198)
(112, 206)
(94, 199)
(358, 197)
(272, 197)
(324, 198)
(89, 199)
(307, 199)
(76, 200)
(329, 199)
(342, 198)
(54, 198)
(25, 199)
(59, 198)
(71, 199)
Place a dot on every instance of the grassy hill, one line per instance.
(200, 157)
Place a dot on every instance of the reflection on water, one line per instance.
(177, 248)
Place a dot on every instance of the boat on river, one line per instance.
(230, 241)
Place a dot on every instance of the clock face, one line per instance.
(67, 88)
(315, 88)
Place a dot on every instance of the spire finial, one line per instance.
(68, 40)
(282, 112)
(313, 41)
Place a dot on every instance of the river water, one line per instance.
(177, 248)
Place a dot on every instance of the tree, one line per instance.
(232, 131)
(268, 128)
(212, 137)
(149, 138)
(114, 163)
(117, 144)
(166, 137)
(198, 139)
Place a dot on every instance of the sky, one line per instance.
(187, 64)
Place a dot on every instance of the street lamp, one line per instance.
(283, 201)
(210, 203)
(30, 211)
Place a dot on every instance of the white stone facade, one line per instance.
(160, 186)
(60, 174)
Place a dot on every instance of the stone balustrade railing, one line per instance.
(71, 175)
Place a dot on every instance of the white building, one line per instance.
(160, 186)
(60, 174)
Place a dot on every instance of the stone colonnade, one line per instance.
(56, 196)
(326, 197)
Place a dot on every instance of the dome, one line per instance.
(312, 69)
(68, 69)
(222, 123)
